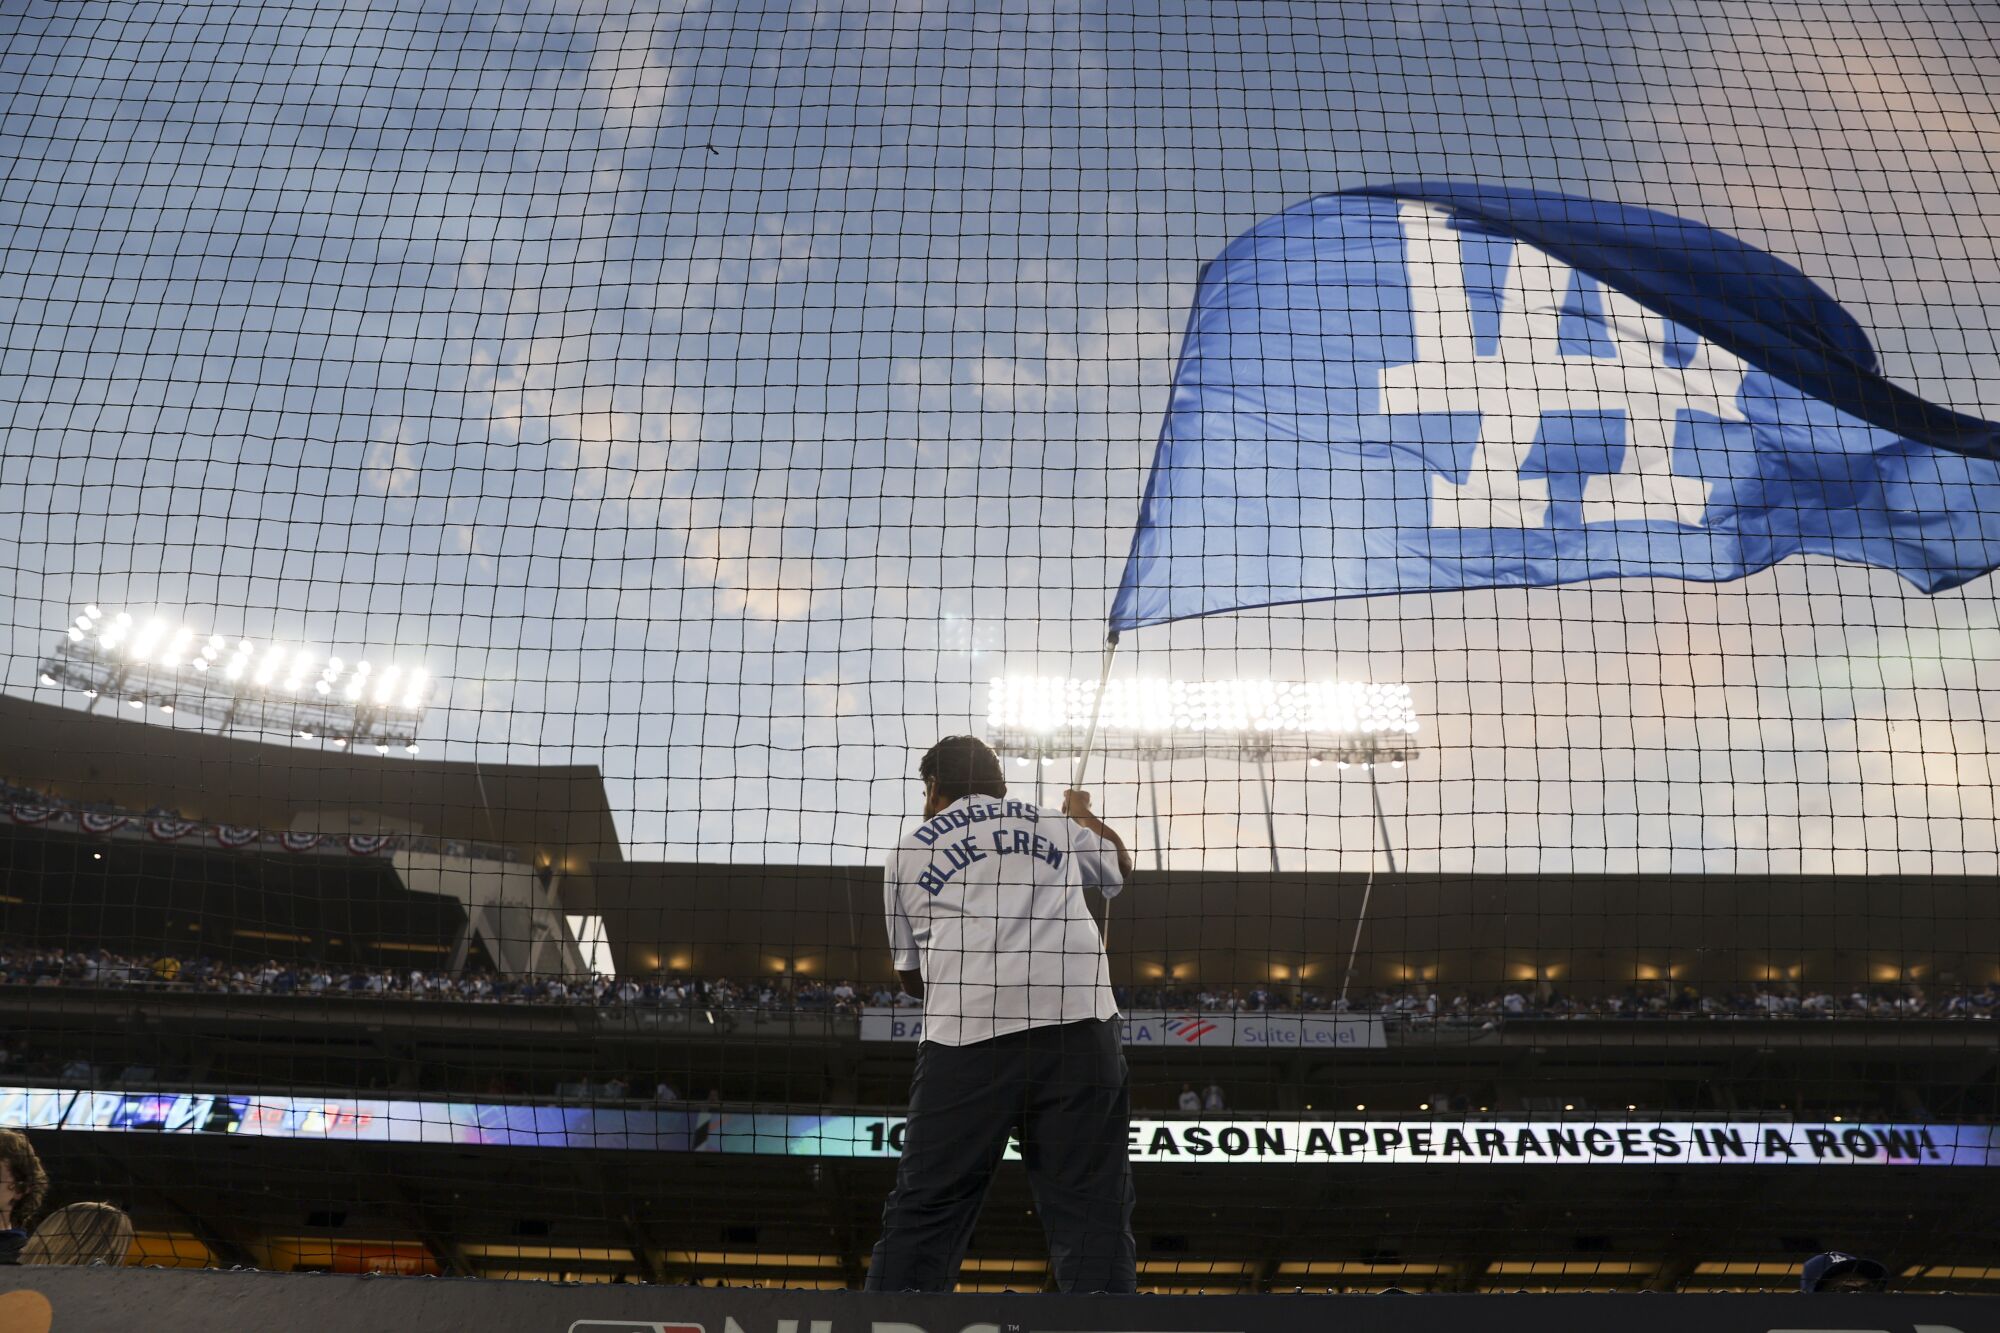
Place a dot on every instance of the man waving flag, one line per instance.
(1429, 387)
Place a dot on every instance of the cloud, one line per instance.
(1865, 149)
(723, 352)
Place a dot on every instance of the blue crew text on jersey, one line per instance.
(1004, 842)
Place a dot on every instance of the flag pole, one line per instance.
(1368, 886)
(1083, 759)
(1096, 711)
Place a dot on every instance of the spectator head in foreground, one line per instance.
(23, 1186)
(80, 1233)
(1835, 1271)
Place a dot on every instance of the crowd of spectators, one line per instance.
(168, 972)
(12, 794)
(1646, 1001)
(21, 966)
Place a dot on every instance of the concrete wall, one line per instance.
(508, 910)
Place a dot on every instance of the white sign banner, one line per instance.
(1546, 1143)
(1156, 1027)
(879, 1024)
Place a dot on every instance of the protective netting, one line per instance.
(689, 411)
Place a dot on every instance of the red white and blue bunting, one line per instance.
(166, 828)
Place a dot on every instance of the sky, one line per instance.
(721, 395)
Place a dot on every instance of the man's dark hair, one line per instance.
(26, 1168)
(962, 766)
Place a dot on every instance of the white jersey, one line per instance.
(986, 899)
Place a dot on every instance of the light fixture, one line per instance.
(147, 639)
(1047, 705)
(176, 648)
(258, 685)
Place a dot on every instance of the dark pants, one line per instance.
(1064, 1090)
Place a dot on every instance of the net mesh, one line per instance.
(688, 411)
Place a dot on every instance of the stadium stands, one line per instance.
(169, 974)
(208, 937)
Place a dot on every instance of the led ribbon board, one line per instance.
(1213, 1141)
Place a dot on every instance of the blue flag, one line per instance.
(1421, 388)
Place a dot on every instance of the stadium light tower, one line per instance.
(1249, 720)
(154, 662)
(1039, 719)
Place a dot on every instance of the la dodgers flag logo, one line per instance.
(1428, 388)
(1642, 378)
